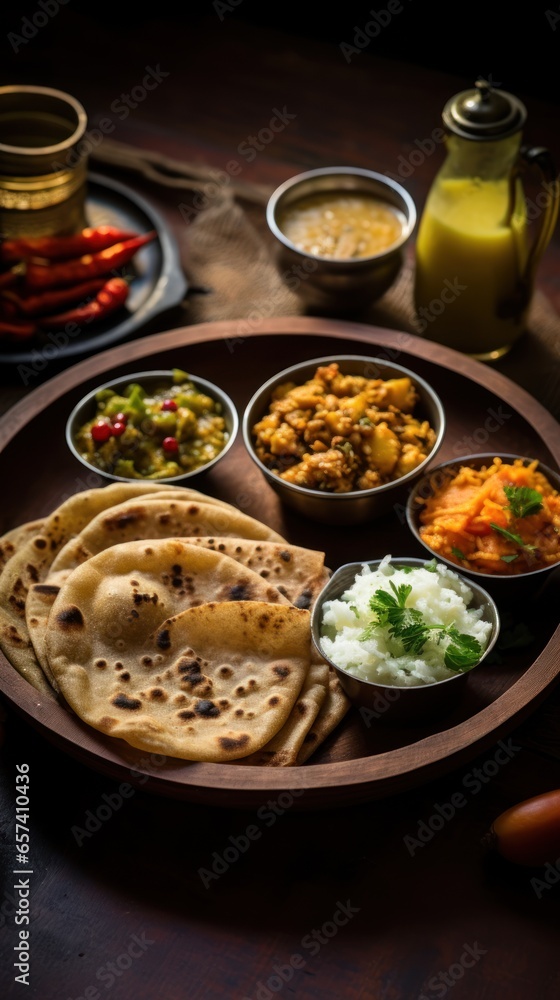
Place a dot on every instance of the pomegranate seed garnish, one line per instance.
(169, 404)
(170, 444)
(101, 431)
(120, 418)
(119, 428)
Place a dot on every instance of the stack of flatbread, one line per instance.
(171, 620)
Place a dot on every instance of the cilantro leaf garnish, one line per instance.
(508, 559)
(523, 501)
(463, 650)
(513, 537)
(389, 609)
(414, 636)
(457, 553)
(382, 601)
(410, 626)
(510, 535)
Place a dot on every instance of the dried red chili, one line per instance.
(89, 240)
(11, 328)
(41, 276)
(112, 296)
(8, 309)
(51, 301)
(10, 278)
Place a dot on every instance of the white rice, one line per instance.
(442, 597)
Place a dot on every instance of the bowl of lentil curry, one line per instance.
(340, 235)
(494, 517)
(340, 438)
(163, 425)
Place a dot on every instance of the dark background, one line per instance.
(139, 872)
(515, 44)
(518, 46)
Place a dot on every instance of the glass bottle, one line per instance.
(476, 255)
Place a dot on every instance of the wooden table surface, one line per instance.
(133, 895)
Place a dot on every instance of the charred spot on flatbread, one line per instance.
(120, 521)
(304, 600)
(48, 589)
(122, 701)
(70, 617)
(229, 743)
(163, 641)
(207, 709)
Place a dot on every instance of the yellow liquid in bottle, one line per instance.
(468, 262)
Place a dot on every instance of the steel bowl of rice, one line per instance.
(404, 635)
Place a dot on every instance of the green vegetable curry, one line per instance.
(172, 430)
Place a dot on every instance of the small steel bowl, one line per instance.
(86, 408)
(388, 703)
(331, 285)
(357, 506)
(506, 587)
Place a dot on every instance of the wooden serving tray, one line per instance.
(365, 758)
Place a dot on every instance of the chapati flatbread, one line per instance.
(331, 713)
(38, 603)
(155, 518)
(213, 683)
(34, 576)
(127, 590)
(11, 540)
(33, 558)
(282, 750)
(298, 573)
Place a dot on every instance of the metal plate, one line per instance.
(158, 282)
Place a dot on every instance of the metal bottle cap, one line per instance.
(484, 113)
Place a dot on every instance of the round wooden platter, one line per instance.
(365, 758)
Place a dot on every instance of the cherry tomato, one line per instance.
(101, 431)
(119, 428)
(120, 418)
(170, 444)
(169, 404)
(528, 833)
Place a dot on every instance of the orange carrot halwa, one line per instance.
(502, 518)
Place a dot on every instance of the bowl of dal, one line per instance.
(403, 635)
(494, 518)
(165, 426)
(340, 438)
(340, 234)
